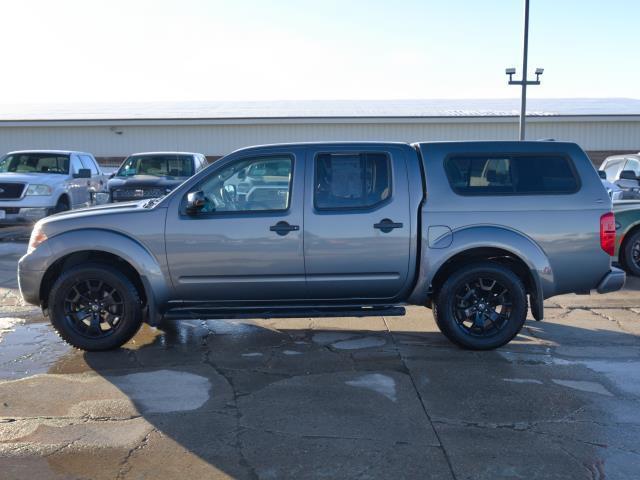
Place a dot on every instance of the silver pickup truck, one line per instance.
(477, 231)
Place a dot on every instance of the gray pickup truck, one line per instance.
(477, 231)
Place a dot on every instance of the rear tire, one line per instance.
(631, 254)
(482, 306)
(95, 307)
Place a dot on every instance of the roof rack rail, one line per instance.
(546, 140)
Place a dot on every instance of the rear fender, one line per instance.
(487, 236)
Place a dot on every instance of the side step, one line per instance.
(202, 313)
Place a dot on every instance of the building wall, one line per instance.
(110, 139)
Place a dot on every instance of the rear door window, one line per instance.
(351, 180)
(512, 174)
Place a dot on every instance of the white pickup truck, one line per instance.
(37, 183)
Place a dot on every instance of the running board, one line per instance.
(195, 313)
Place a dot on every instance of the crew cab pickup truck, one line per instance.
(476, 231)
(37, 183)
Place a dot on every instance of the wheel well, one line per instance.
(504, 257)
(93, 256)
(66, 198)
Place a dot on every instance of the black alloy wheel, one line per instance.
(94, 307)
(481, 306)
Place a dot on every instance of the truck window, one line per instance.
(512, 174)
(87, 162)
(351, 180)
(250, 185)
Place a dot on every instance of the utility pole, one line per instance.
(524, 82)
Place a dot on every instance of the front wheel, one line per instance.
(481, 306)
(95, 307)
(631, 254)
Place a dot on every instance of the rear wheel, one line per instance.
(95, 307)
(631, 254)
(481, 306)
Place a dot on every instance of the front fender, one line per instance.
(486, 236)
(154, 280)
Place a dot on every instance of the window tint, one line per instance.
(521, 174)
(250, 185)
(351, 180)
(87, 162)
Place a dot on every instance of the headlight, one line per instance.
(37, 237)
(38, 190)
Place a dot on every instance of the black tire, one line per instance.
(95, 307)
(61, 206)
(631, 254)
(475, 317)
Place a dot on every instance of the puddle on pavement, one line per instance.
(376, 382)
(164, 391)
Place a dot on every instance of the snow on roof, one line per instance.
(318, 109)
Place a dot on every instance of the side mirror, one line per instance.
(628, 175)
(83, 173)
(195, 202)
(112, 175)
(603, 174)
(242, 174)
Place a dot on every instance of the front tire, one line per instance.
(482, 306)
(631, 254)
(95, 307)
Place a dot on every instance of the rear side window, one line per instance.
(512, 174)
(351, 180)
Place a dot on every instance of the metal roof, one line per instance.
(308, 109)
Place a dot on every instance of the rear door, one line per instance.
(246, 244)
(357, 222)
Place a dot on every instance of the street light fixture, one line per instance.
(524, 82)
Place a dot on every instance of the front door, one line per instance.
(246, 243)
(357, 222)
(79, 187)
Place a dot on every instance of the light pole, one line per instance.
(524, 82)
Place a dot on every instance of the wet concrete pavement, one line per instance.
(324, 398)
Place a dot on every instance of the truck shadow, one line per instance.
(247, 400)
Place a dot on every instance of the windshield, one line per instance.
(157, 165)
(35, 163)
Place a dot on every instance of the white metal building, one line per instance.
(600, 126)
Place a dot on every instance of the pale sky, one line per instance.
(170, 50)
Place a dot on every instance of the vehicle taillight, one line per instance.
(608, 233)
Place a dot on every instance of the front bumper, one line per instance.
(612, 281)
(15, 216)
(31, 270)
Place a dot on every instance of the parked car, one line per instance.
(614, 191)
(623, 171)
(153, 174)
(344, 228)
(37, 183)
(627, 252)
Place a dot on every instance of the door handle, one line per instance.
(386, 225)
(282, 228)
